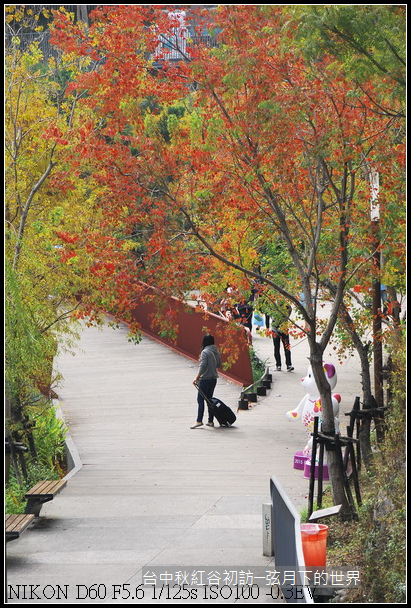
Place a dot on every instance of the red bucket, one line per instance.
(314, 539)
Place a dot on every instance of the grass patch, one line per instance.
(258, 366)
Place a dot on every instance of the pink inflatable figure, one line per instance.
(310, 405)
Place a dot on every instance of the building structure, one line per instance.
(172, 46)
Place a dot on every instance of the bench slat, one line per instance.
(17, 523)
(39, 487)
(42, 492)
(46, 488)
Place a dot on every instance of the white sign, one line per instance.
(268, 547)
(374, 191)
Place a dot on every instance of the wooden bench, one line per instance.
(42, 492)
(16, 524)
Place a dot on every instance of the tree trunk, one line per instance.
(362, 350)
(82, 13)
(365, 427)
(336, 473)
(394, 308)
(337, 478)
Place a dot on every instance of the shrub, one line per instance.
(377, 542)
(48, 463)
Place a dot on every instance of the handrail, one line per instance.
(266, 373)
(247, 395)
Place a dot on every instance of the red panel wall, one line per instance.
(191, 322)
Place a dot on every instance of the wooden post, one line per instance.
(320, 475)
(312, 469)
(346, 482)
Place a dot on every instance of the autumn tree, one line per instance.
(369, 40)
(369, 44)
(48, 208)
(337, 134)
(264, 148)
(113, 140)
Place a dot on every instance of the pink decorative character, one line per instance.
(310, 405)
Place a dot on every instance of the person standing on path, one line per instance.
(280, 323)
(206, 379)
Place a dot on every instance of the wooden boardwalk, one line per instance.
(150, 492)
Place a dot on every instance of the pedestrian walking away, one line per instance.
(206, 379)
(280, 323)
(245, 311)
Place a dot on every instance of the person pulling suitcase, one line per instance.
(223, 414)
(206, 379)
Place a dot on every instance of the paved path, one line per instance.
(152, 492)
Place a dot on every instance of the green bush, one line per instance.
(14, 495)
(377, 542)
(49, 435)
(258, 367)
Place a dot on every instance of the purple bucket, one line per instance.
(307, 469)
(300, 460)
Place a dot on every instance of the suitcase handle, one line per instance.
(202, 394)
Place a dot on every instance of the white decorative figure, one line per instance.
(310, 405)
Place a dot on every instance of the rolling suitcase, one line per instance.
(224, 414)
(221, 412)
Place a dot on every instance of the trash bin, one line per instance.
(314, 539)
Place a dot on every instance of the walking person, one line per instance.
(206, 379)
(280, 321)
(245, 311)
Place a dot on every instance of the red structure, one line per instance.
(192, 322)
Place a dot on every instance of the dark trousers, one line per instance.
(277, 339)
(206, 386)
